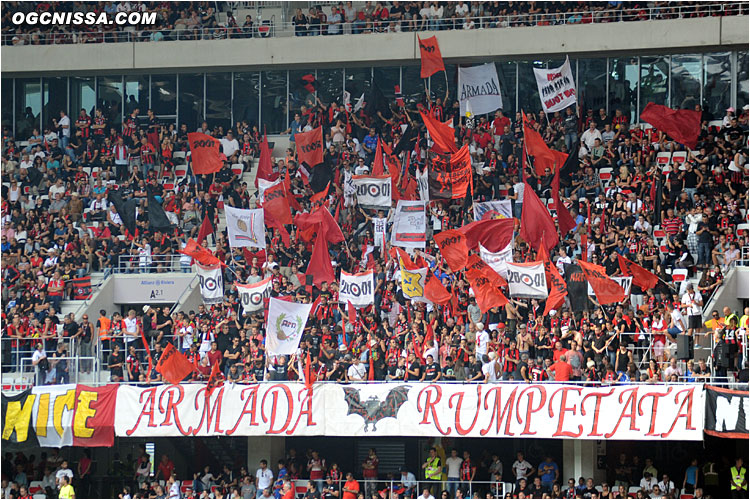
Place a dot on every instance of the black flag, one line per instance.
(125, 209)
(375, 101)
(157, 217)
(570, 166)
(577, 288)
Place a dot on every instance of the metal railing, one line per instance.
(132, 264)
(270, 29)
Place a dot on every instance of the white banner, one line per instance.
(286, 322)
(423, 183)
(557, 87)
(373, 191)
(359, 289)
(379, 230)
(251, 296)
(246, 228)
(496, 209)
(527, 281)
(498, 261)
(537, 411)
(479, 89)
(409, 225)
(212, 284)
(624, 281)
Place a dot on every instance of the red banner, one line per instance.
(204, 153)
(173, 365)
(682, 125)
(200, 254)
(94, 417)
(487, 294)
(642, 278)
(544, 157)
(450, 177)
(475, 262)
(82, 288)
(310, 147)
(607, 290)
(492, 234)
(441, 134)
(537, 226)
(432, 59)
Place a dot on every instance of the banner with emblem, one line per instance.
(211, 283)
(286, 323)
(359, 289)
(246, 228)
(527, 280)
(495, 209)
(373, 191)
(252, 295)
(409, 225)
(413, 282)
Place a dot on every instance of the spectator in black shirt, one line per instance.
(115, 363)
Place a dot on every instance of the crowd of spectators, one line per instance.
(445, 473)
(203, 20)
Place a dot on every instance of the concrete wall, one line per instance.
(673, 36)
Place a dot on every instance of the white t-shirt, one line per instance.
(677, 319)
(65, 120)
(63, 472)
(229, 147)
(483, 339)
(264, 478)
(693, 300)
(454, 466)
(357, 372)
(521, 468)
(518, 189)
(131, 327)
(489, 371)
(428, 497)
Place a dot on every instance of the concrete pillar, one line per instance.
(266, 448)
(580, 459)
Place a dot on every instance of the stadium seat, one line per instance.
(237, 169)
(180, 172)
(659, 233)
(95, 172)
(168, 186)
(663, 158)
(39, 495)
(178, 155)
(605, 174)
(742, 229)
(715, 125)
(679, 157)
(686, 496)
(184, 487)
(679, 275)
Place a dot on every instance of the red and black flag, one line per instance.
(308, 83)
(450, 176)
(642, 278)
(82, 288)
(399, 96)
(607, 290)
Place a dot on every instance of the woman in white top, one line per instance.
(338, 133)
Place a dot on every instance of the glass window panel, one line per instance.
(299, 95)
(386, 80)
(163, 95)
(742, 80)
(218, 95)
(506, 74)
(273, 104)
(717, 89)
(413, 85)
(136, 94)
(592, 83)
(191, 100)
(623, 86)
(7, 103)
(55, 99)
(28, 106)
(528, 93)
(654, 81)
(109, 90)
(245, 100)
(82, 94)
(357, 81)
(686, 81)
(331, 85)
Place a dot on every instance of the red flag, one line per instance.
(400, 254)
(206, 229)
(442, 135)
(308, 373)
(290, 196)
(476, 263)
(584, 246)
(544, 157)
(249, 256)
(683, 125)
(434, 291)
(320, 261)
(565, 221)
(200, 254)
(310, 146)
(351, 312)
(318, 197)
(493, 234)
(214, 379)
(204, 153)
(265, 167)
(487, 294)
(557, 287)
(173, 365)
(377, 163)
(542, 254)
(309, 223)
(607, 290)
(453, 248)
(276, 204)
(270, 221)
(371, 368)
(642, 278)
(432, 60)
(537, 226)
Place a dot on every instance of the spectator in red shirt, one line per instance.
(165, 469)
(561, 369)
